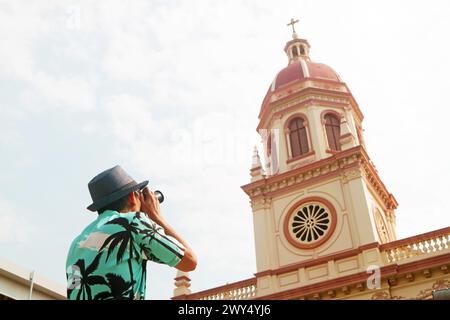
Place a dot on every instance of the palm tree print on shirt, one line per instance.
(118, 288)
(86, 278)
(130, 238)
(125, 240)
(151, 233)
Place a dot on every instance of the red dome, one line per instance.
(300, 70)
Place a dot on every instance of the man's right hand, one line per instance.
(150, 205)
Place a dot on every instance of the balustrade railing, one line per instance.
(423, 244)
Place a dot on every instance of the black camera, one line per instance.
(159, 195)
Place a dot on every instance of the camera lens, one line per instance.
(159, 196)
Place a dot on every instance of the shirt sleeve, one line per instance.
(156, 245)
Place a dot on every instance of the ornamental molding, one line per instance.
(308, 84)
(349, 175)
(348, 165)
(311, 95)
(438, 285)
(380, 224)
(371, 176)
(261, 204)
(309, 99)
(384, 295)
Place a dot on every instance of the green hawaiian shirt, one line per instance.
(108, 259)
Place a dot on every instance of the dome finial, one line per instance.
(292, 23)
(296, 49)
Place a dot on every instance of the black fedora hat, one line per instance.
(111, 185)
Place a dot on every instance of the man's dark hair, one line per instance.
(117, 205)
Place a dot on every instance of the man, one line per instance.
(107, 261)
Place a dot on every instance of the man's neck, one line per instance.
(127, 210)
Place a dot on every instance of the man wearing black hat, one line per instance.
(107, 261)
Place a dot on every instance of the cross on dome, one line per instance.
(296, 48)
(292, 23)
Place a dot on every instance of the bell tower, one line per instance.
(314, 191)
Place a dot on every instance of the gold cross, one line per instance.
(292, 24)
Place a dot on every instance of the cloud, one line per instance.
(14, 228)
(40, 87)
(66, 92)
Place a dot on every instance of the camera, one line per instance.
(159, 195)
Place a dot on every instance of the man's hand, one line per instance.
(150, 205)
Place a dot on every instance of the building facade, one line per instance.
(17, 283)
(324, 222)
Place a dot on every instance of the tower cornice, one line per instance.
(348, 164)
(302, 94)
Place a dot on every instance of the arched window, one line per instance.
(333, 130)
(294, 52)
(298, 137)
(302, 50)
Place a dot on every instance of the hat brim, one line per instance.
(100, 203)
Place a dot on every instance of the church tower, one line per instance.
(317, 193)
(324, 222)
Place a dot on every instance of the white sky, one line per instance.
(171, 90)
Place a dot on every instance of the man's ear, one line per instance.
(132, 199)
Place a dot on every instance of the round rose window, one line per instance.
(310, 223)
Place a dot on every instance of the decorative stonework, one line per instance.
(384, 295)
(308, 92)
(289, 93)
(438, 285)
(310, 223)
(349, 164)
(349, 175)
(304, 100)
(381, 226)
(371, 176)
(261, 203)
(425, 244)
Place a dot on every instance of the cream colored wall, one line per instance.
(339, 241)
(305, 276)
(315, 128)
(264, 247)
(354, 225)
(358, 198)
(15, 283)
(20, 291)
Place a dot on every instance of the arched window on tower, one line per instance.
(294, 52)
(302, 50)
(333, 131)
(298, 137)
